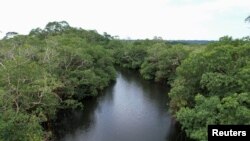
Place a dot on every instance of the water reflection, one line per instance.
(129, 110)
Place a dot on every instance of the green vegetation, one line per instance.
(212, 87)
(47, 70)
(58, 66)
(209, 83)
(155, 59)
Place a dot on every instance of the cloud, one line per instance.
(205, 19)
(171, 19)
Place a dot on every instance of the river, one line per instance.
(130, 109)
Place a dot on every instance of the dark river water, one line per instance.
(131, 109)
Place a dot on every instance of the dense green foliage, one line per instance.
(58, 66)
(46, 70)
(209, 83)
(212, 87)
(155, 59)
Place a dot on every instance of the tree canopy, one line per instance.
(59, 66)
(49, 69)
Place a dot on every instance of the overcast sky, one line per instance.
(137, 19)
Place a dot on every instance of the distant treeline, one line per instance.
(184, 42)
(190, 42)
